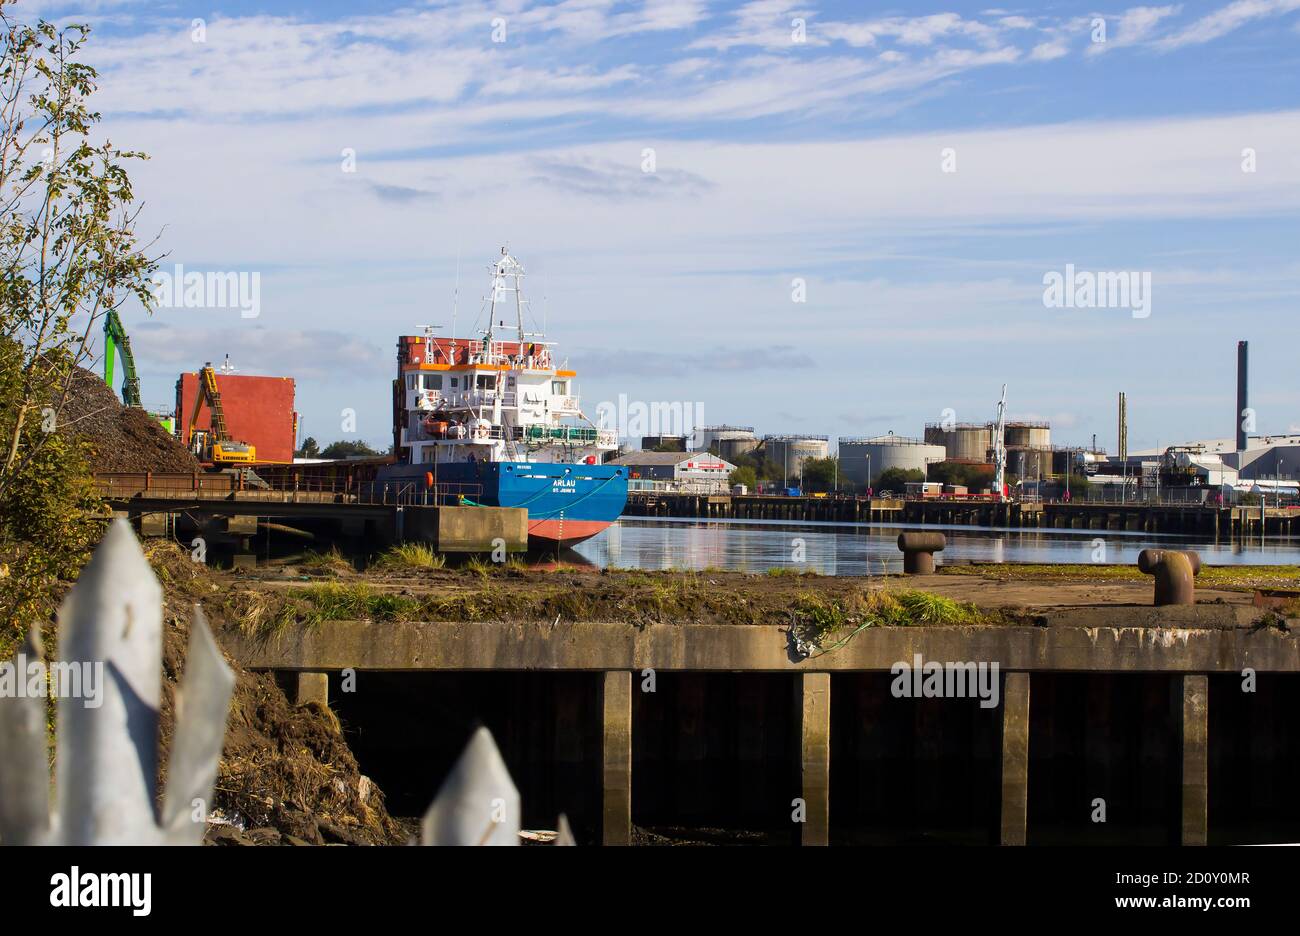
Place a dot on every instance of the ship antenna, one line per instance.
(519, 306)
(455, 307)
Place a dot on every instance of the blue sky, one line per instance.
(775, 160)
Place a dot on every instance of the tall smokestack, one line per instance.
(1242, 404)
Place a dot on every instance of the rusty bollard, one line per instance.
(918, 551)
(1175, 571)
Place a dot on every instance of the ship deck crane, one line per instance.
(1000, 448)
(215, 445)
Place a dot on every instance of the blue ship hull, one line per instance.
(566, 503)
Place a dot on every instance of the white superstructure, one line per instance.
(489, 399)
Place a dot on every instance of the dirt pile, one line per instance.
(122, 438)
(287, 775)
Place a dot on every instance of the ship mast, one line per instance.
(507, 266)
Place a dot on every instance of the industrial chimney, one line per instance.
(1242, 405)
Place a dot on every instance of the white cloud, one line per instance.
(1227, 19)
(1046, 51)
(309, 354)
(1134, 26)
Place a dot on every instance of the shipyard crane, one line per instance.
(215, 445)
(117, 342)
(1000, 448)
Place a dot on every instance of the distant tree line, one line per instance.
(311, 449)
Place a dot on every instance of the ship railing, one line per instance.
(578, 434)
(464, 398)
(420, 493)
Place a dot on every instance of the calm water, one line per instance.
(856, 549)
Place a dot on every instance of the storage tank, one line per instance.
(882, 453)
(788, 452)
(706, 437)
(963, 442)
(731, 449)
(1028, 463)
(1034, 435)
(1071, 458)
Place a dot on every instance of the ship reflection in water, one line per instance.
(848, 549)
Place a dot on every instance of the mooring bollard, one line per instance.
(918, 551)
(1175, 572)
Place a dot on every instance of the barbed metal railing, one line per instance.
(107, 681)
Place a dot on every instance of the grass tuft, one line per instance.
(817, 619)
(411, 556)
(327, 563)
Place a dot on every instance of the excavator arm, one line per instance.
(117, 342)
(220, 449)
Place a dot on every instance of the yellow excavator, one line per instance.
(215, 445)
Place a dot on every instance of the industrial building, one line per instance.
(863, 460)
(258, 411)
(789, 452)
(1028, 445)
(687, 472)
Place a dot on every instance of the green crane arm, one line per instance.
(115, 339)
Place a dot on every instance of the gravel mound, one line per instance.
(121, 438)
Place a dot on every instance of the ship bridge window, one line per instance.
(433, 381)
(485, 382)
(560, 387)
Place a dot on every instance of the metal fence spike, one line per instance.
(110, 628)
(202, 702)
(24, 767)
(34, 644)
(477, 804)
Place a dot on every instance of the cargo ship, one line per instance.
(494, 421)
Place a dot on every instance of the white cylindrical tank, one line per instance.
(788, 452)
(707, 436)
(882, 453)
